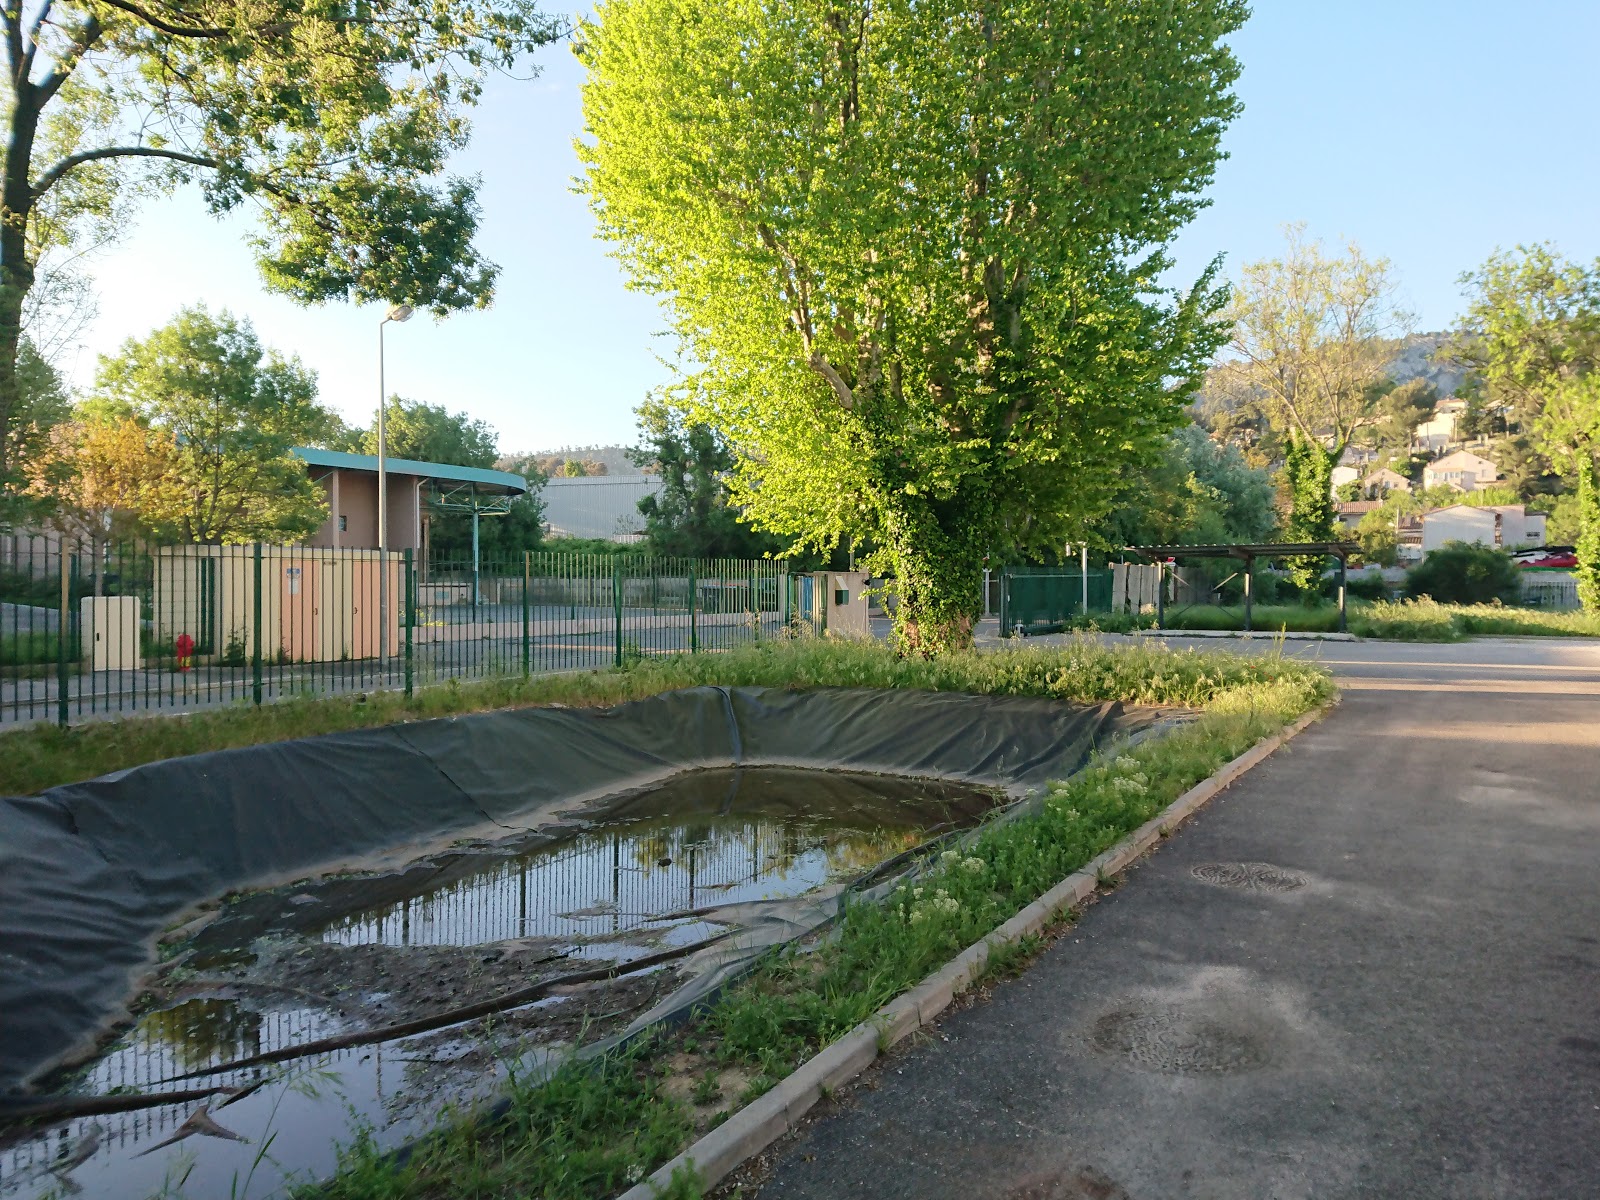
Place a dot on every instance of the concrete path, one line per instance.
(1370, 969)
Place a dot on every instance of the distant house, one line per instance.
(1382, 481)
(1341, 476)
(1439, 430)
(1463, 470)
(1350, 512)
(1503, 526)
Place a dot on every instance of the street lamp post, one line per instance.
(397, 313)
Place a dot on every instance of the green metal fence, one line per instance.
(91, 631)
(1042, 599)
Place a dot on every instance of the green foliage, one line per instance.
(574, 545)
(691, 517)
(1464, 573)
(1308, 470)
(1369, 587)
(1400, 411)
(234, 409)
(337, 123)
(1532, 330)
(915, 268)
(1379, 542)
(1429, 621)
(1312, 341)
(1529, 474)
(587, 1131)
(1198, 491)
(41, 404)
(429, 433)
(432, 433)
(1588, 545)
(1291, 618)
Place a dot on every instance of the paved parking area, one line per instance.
(1370, 969)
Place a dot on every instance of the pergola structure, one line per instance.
(1247, 553)
(478, 498)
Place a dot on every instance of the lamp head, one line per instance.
(399, 312)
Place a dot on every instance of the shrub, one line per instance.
(1464, 573)
(1369, 587)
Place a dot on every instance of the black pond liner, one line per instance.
(92, 873)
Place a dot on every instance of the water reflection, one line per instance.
(701, 841)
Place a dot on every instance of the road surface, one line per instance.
(1369, 969)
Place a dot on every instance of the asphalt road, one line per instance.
(1403, 1001)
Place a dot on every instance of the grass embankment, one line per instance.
(1401, 620)
(42, 756)
(594, 1129)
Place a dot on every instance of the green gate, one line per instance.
(1046, 599)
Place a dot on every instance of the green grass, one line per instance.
(1403, 620)
(1427, 621)
(42, 756)
(795, 1002)
(32, 649)
(1264, 618)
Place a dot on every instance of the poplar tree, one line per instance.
(913, 251)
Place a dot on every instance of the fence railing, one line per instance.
(1035, 599)
(92, 630)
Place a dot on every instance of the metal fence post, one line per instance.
(694, 601)
(255, 621)
(410, 603)
(616, 600)
(62, 714)
(527, 574)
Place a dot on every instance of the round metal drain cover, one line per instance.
(1249, 876)
(1178, 1043)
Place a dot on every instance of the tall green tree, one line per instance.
(1532, 332)
(1312, 341)
(335, 121)
(430, 433)
(233, 409)
(692, 517)
(1199, 491)
(41, 405)
(1400, 411)
(912, 250)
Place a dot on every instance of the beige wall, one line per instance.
(358, 504)
(317, 605)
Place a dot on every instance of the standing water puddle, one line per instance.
(340, 956)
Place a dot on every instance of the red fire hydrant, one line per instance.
(184, 645)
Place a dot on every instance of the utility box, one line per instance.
(846, 611)
(109, 626)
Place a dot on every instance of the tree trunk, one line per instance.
(938, 577)
(16, 270)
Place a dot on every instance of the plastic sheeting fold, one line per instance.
(91, 873)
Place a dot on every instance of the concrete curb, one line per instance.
(764, 1120)
(1266, 634)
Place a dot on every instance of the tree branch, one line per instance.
(820, 364)
(87, 36)
(53, 176)
(156, 22)
(14, 53)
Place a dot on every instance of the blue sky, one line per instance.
(1429, 132)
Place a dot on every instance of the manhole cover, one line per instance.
(1249, 876)
(1178, 1043)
